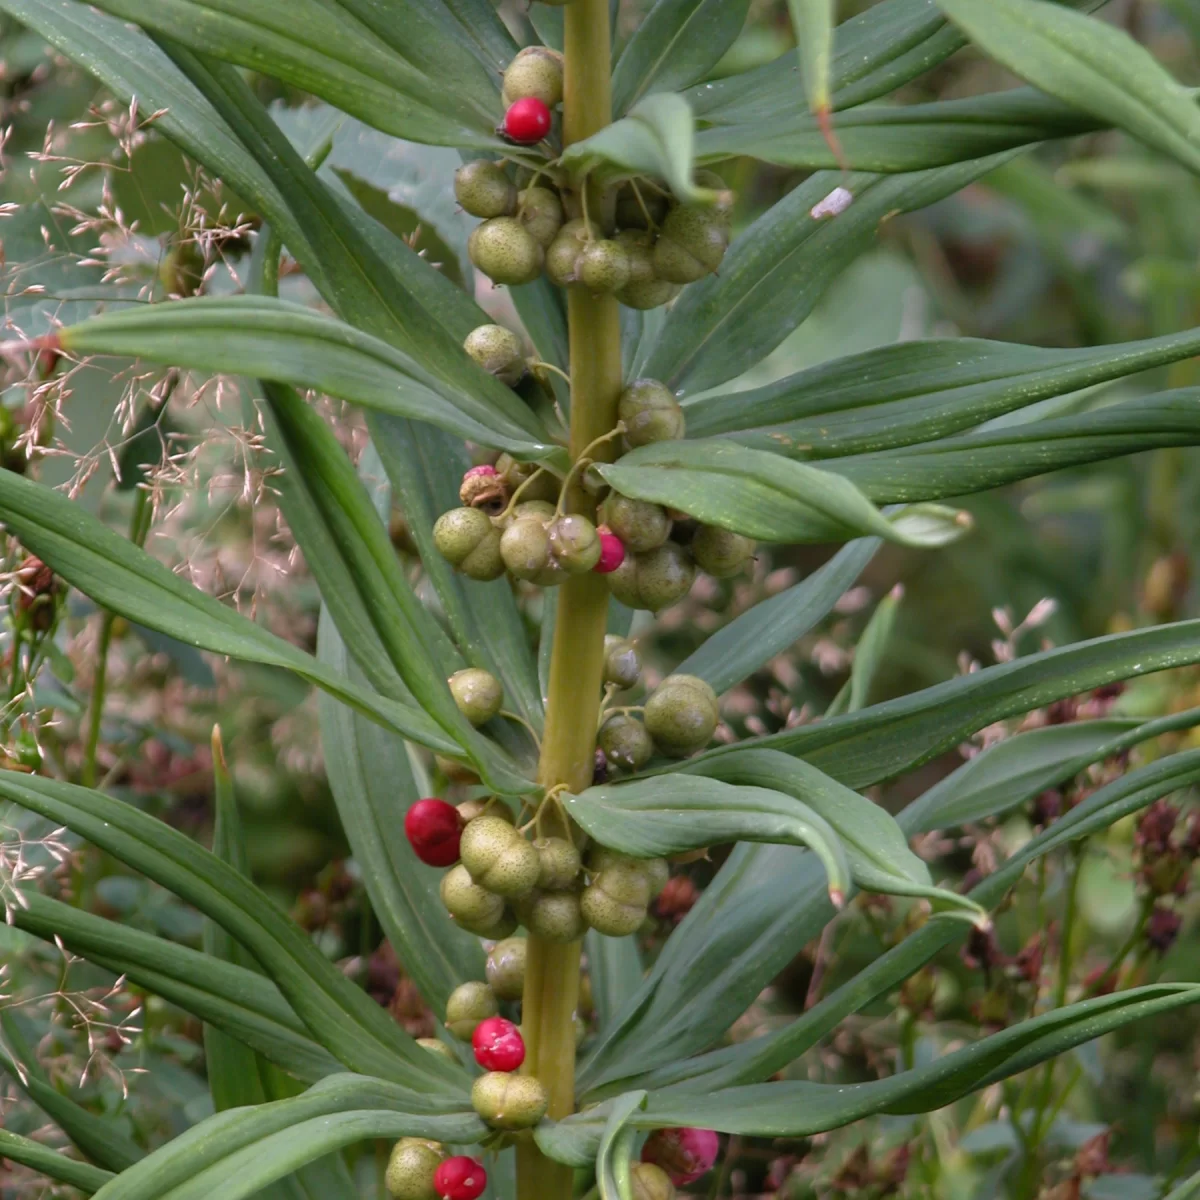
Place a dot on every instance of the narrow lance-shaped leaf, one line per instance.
(768, 497)
(869, 654)
(613, 1176)
(40, 1158)
(812, 22)
(674, 814)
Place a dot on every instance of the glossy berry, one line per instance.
(498, 1045)
(460, 1178)
(498, 351)
(527, 121)
(612, 551)
(622, 663)
(682, 714)
(506, 968)
(575, 544)
(433, 829)
(468, 1005)
(411, 1168)
(509, 1101)
(625, 742)
(537, 71)
(685, 1154)
(484, 190)
(478, 694)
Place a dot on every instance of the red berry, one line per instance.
(612, 551)
(498, 1045)
(460, 1178)
(527, 120)
(485, 469)
(685, 1154)
(434, 828)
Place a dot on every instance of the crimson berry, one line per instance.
(527, 120)
(460, 1178)
(498, 1045)
(612, 551)
(685, 1154)
(433, 829)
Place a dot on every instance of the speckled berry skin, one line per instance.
(622, 662)
(540, 211)
(574, 543)
(505, 251)
(466, 538)
(498, 1045)
(691, 244)
(612, 552)
(411, 1168)
(682, 714)
(526, 551)
(507, 1101)
(498, 351)
(650, 1182)
(506, 968)
(562, 254)
(498, 858)
(527, 121)
(466, 1006)
(476, 909)
(685, 1154)
(433, 829)
(625, 742)
(640, 524)
(478, 694)
(602, 267)
(552, 916)
(460, 1178)
(559, 863)
(650, 413)
(721, 553)
(615, 901)
(484, 190)
(537, 72)
(438, 1047)
(644, 290)
(654, 580)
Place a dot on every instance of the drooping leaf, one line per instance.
(918, 391)
(769, 497)
(339, 1014)
(772, 625)
(40, 1158)
(677, 43)
(812, 22)
(1087, 63)
(676, 813)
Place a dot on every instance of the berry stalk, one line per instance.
(577, 663)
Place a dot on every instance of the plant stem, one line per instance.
(577, 660)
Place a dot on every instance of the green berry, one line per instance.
(616, 900)
(682, 714)
(467, 538)
(554, 916)
(486, 806)
(562, 254)
(525, 548)
(692, 244)
(478, 694)
(644, 289)
(509, 1101)
(498, 351)
(540, 510)
(506, 968)
(630, 214)
(622, 662)
(484, 190)
(720, 552)
(536, 71)
(650, 413)
(560, 863)
(625, 742)
(657, 872)
(640, 524)
(474, 908)
(498, 858)
(466, 1006)
(541, 212)
(650, 1182)
(410, 1169)
(574, 543)
(545, 487)
(505, 251)
(654, 580)
(603, 267)
(438, 1047)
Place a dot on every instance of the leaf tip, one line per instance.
(837, 898)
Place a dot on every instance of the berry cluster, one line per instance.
(419, 1169)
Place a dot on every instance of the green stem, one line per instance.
(577, 660)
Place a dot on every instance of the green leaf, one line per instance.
(271, 339)
(614, 966)
(975, 462)
(868, 655)
(669, 815)
(1088, 63)
(769, 497)
(318, 49)
(84, 1176)
(340, 1015)
(236, 1153)
(812, 22)
(100, 1138)
(776, 271)
(239, 1002)
(676, 43)
(656, 138)
(771, 626)
(918, 391)
(613, 1176)
(373, 784)
(1189, 1189)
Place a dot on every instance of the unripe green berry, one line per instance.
(541, 212)
(541, 510)
(506, 968)
(648, 293)
(410, 1169)
(603, 267)
(525, 548)
(631, 214)
(554, 916)
(650, 413)
(560, 863)
(720, 552)
(654, 580)
(562, 254)
(438, 1047)
(600, 858)
(682, 714)
(498, 351)
(498, 858)
(536, 71)
(640, 524)
(466, 1006)
(657, 872)
(622, 662)
(467, 538)
(625, 742)
(574, 543)
(615, 901)
(485, 806)
(473, 907)
(650, 1182)
(484, 190)
(505, 251)
(545, 487)
(478, 694)
(692, 244)
(644, 289)
(508, 1101)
